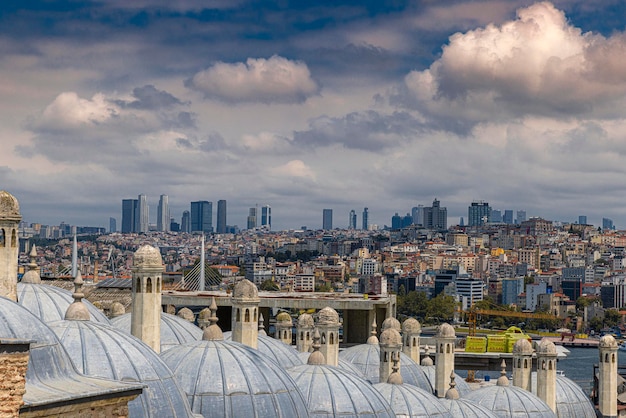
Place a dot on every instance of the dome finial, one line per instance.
(77, 311)
(213, 332)
(316, 357)
(427, 361)
(453, 392)
(262, 325)
(502, 380)
(32, 275)
(373, 339)
(395, 378)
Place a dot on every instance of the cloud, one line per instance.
(294, 168)
(148, 97)
(273, 80)
(537, 64)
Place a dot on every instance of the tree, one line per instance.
(269, 285)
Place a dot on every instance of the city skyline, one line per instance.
(342, 105)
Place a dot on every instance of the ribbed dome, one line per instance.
(9, 206)
(608, 341)
(174, 330)
(510, 401)
(391, 337)
(328, 316)
(462, 408)
(332, 392)
(445, 331)
(411, 326)
(280, 353)
(305, 320)
(571, 400)
(546, 347)
(391, 322)
(245, 289)
(411, 401)
(49, 303)
(522, 346)
(226, 379)
(147, 257)
(50, 376)
(461, 384)
(366, 357)
(100, 350)
(342, 364)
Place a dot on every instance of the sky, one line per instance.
(313, 105)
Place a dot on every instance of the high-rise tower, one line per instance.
(352, 220)
(221, 216)
(365, 220)
(266, 216)
(201, 216)
(129, 207)
(478, 213)
(252, 218)
(142, 215)
(185, 222)
(163, 214)
(327, 219)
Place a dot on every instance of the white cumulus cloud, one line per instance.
(295, 168)
(273, 80)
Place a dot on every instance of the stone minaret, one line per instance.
(147, 275)
(444, 358)
(390, 348)
(9, 247)
(522, 364)
(411, 330)
(546, 373)
(304, 333)
(391, 322)
(607, 377)
(284, 324)
(245, 317)
(328, 325)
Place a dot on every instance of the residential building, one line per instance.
(511, 289)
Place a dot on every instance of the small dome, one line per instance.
(522, 346)
(391, 322)
(608, 341)
(103, 351)
(226, 379)
(390, 337)
(245, 289)
(510, 401)
(32, 275)
(411, 326)
(445, 330)
(147, 257)
(366, 358)
(305, 321)
(462, 408)
(332, 392)
(410, 401)
(186, 314)
(571, 399)
(328, 316)
(546, 347)
(117, 309)
(9, 206)
(50, 303)
(284, 317)
(174, 330)
(280, 353)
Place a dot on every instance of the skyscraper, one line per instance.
(142, 215)
(163, 214)
(327, 219)
(508, 217)
(365, 220)
(185, 224)
(352, 220)
(582, 220)
(201, 216)
(418, 215)
(521, 216)
(112, 225)
(266, 216)
(436, 217)
(496, 216)
(478, 213)
(129, 207)
(221, 216)
(252, 218)
(607, 224)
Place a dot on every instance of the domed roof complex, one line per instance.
(571, 400)
(461, 385)
(226, 378)
(174, 330)
(9, 207)
(50, 376)
(280, 353)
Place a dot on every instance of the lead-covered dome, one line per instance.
(174, 330)
(226, 379)
(100, 350)
(463, 408)
(411, 401)
(280, 353)
(49, 303)
(571, 400)
(147, 257)
(9, 206)
(332, 392)
(461, 385)
(510, 401)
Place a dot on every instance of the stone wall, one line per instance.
(109, 408)
(13, 364)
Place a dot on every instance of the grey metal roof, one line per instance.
(331, 391)
(366, 357)
(571, 400)
(225, 379)
(411, 401)
(100, 350)
(282, 354)
(49, 303)
(174, 330)
(342, 364)
(50, 378)
(510, 401)
(115, 283)
(463, 408)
